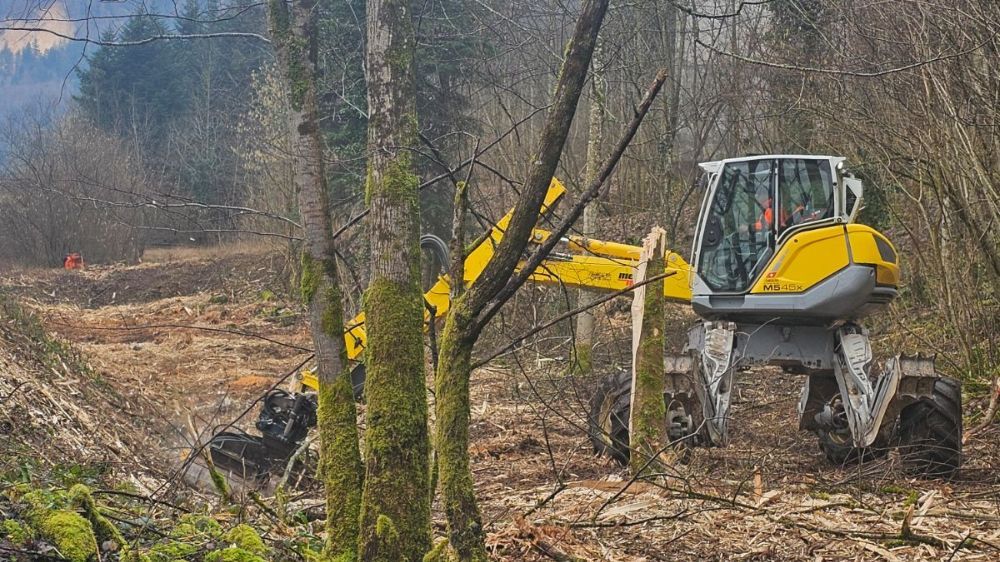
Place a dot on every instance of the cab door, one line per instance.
(738, 229)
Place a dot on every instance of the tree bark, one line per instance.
(293, 32)
(395, 506)
(465, 322)
(584, 334)
(646, 426)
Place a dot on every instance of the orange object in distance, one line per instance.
(73, 261)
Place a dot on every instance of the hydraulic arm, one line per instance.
(581, 263)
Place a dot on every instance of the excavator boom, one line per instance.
(583, 263)
(580, 263)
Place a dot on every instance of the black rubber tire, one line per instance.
(930, 432)
(608, 420)
(358, 377)
(839, 450)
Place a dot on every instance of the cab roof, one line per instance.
(714, 166)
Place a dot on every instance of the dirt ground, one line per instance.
(198, 337)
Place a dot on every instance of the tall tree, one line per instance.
(395, 507)
(583, 344)
(293, 32)
(443, 64)
(473, 309)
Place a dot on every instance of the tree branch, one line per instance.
(855, 73)
(513, 344)
(357, 218)
(136, 43)
(591, 193)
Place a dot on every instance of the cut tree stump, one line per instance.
(647, 425)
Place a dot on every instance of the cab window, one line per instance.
(739, 228)
(806, 188)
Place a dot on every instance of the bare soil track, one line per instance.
(187, 337)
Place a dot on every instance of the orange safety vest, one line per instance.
(766, 219)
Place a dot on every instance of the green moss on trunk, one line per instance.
(399, 184)
(293, 30)
(298, 72)
(395, 506)
(218, 480)
(340, 466)
(582, 358)
(310, 279)
(340, 461)
(395, 512)
(451, 392)
(103, 529)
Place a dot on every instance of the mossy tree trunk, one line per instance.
(395, 504)
(293, 31)
(473, 309)
(647, 429)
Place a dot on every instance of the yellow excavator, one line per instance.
(781, 274)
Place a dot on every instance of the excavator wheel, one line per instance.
(930, 432)
(838, 445)
(839, 450)
(610, 407)
(609, 414)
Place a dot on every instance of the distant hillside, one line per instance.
(80, 18)
(37, 67)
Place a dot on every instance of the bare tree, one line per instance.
(476, 306)
(293, 29)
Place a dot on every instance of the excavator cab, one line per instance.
(776, 239)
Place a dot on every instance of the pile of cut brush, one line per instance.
(81, 478)
(55, 410)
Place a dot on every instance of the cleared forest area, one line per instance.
(771, 495)
(456, 281)
(151, 374)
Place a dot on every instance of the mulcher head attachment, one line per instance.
(284, 422)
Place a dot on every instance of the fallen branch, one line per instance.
(614, 524)
(558, 489)
(905, 536)
(552, 552)
(12, 392)
(292, 460)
